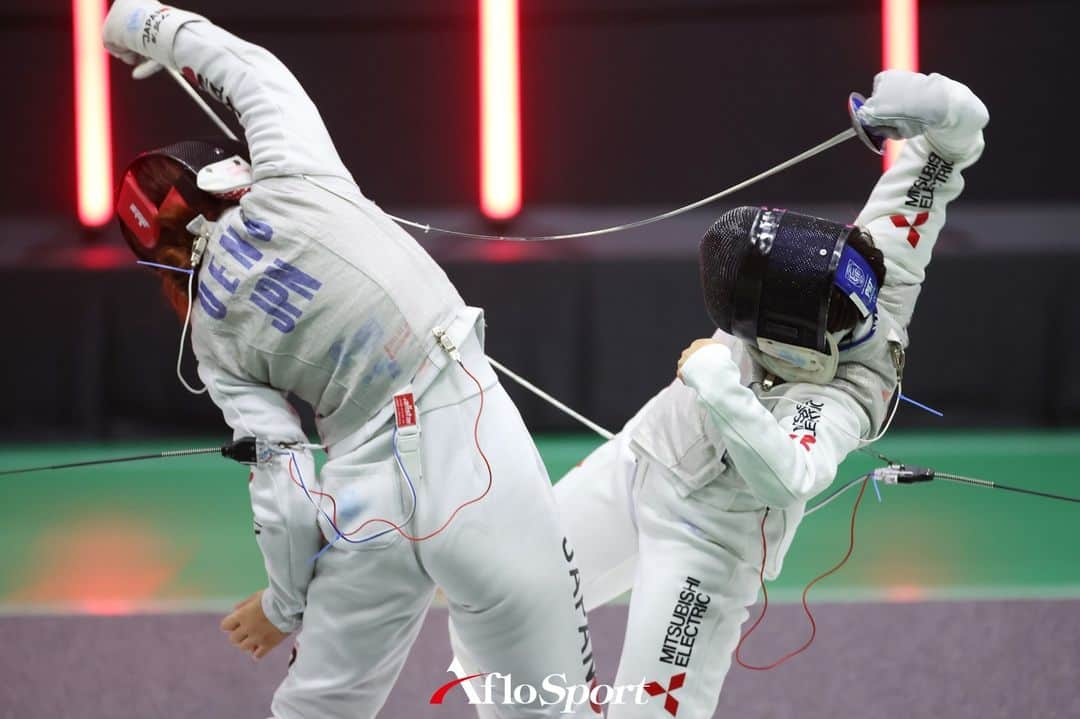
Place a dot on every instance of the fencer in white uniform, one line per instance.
(672, 508)
(307, 287)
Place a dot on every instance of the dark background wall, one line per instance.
(628, 106)
(96, 351)
(624, 101)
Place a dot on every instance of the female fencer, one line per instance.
(299, 284)
(704, 487)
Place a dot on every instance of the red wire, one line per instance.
(396, 527)
(309, 490)
(806, 591)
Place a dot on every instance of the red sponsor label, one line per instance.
(807, 440)
(405, 410)
(137, 212)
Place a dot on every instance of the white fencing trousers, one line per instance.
(500, 561)
(692, 564)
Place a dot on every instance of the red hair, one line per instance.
(156, 175)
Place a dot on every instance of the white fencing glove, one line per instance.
(908, 104)
(139, 30)
(146, 69)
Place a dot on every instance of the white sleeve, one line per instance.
(906, 212)
(285, 520)
(284, 131)
(785, 456)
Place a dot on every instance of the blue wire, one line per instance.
(304, 486)
(164, 267)
(920, 405)
(408, 479)
(324, 549)
(330, 521)
(877, 490)
(412, 488)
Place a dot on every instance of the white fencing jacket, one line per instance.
(782, 447)
(306, 287)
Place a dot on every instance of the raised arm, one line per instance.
(283, 129)
(943, 120)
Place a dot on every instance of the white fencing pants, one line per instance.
(691, 561)
(500, 561)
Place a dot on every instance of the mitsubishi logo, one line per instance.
(912, 235)
(655, 689)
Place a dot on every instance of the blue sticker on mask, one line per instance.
(856, 280)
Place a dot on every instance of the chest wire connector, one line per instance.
(447, 344)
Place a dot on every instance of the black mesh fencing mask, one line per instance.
(218, 168)
(768, 276)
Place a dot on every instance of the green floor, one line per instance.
(176, 533)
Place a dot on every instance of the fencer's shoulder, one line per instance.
(867, 375)
(284, 197)
(864, 381)
(874, 347)
(867, 333)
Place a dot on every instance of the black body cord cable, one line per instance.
(899, 473)
(242, 450)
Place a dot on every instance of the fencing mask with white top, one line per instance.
(214, 170)
(768, 278)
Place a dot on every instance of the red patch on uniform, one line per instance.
(405, 410)
(807, 440)
(912, 235)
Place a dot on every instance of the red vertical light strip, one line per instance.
(93, 123)
(899, 49)
(500, 110)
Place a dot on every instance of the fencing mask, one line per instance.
(187, 176)
(768, 278)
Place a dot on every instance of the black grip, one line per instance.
(910, 474)
(241, 450)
